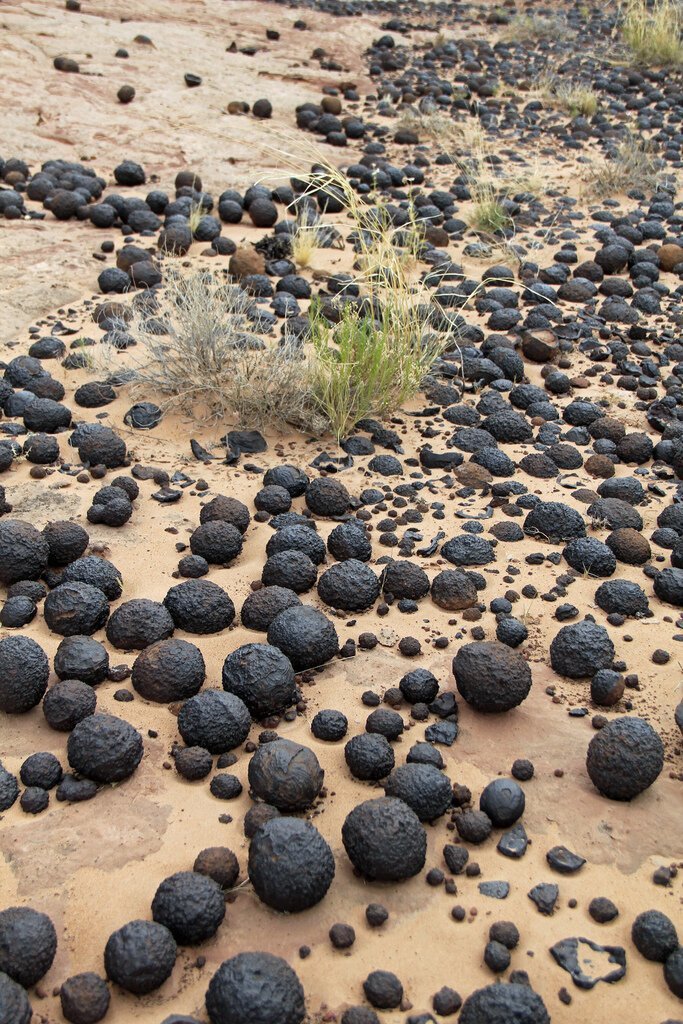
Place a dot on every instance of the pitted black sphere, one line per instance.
(228, 510)
(329, 725)
(624, 758)
(75, 609)
(286, 775)
(24, 552)
(384, 840)
(82, 657)
(370, 756)
(425, 789)
(104, 748)
(28, 943)
(305, 635)
(506, 1003)
(580, 649)
(491, 676)
(97, 572)
(255, 988)
(350, 585)
(68, 702)
(262, 677)
(14, 1005)
(24, 672)
(84, 998)
(297, 538)
(138, 623)
(190, 905)
(200, 607)
(169, 670)
(214, 719)
(290, 865)
(216, 540)
(140, 956)
(262, 605)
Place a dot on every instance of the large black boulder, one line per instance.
(350, 585)
(76, 609)
(425, 789)
(286, 775)
(305, 635)
(255, 988)
(28, 943)
(104, 748)
(24, 552)
(24, 672)
(190, 905)
(169, 670)
(262, 676)
(14, 1005)
(140, 956)
(290, 865)
(384, 840)
(200, 607)
(138, 623)
(624, 758)
(491, 676)
(504, 1003)
(580, 649)
(215, 720)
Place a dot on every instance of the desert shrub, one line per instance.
(210, 363)
(652, 31)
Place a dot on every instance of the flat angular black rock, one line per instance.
(496, 890)
(514, 842)
(544, 895)
(564, 861)
(445, 733)
(570, 956)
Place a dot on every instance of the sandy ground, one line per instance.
(95, 866)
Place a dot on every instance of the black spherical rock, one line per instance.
(262, 605)
(200, 607)
(329, 725)
(654, 935)
(214, 719)
(28, 943)
(506, 1003)
(305, 635)
(81, 657)
(84, 998)
(290, 865)
(491, 676)
(14, 1005)
(580, 649)
(255, 988)
(104, 748)
(262, 677)
(384, 840)
(503, 801)
(370, 756)
(350, 585)
(138, 623)
(217, 541)
(24, 551)
(624, 758)
(24, 672)
(140, 956)
(424, 788)
(169, 670)
(76, 609)
(286, 775)
(67, 703)
(190, 905)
